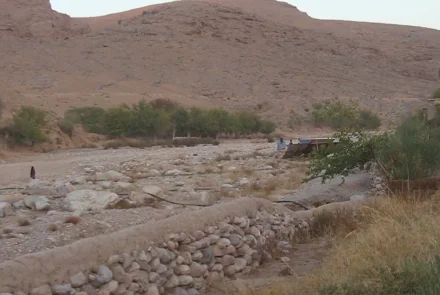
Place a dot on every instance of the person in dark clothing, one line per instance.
(32, 172)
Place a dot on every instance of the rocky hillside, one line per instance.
(260, 54)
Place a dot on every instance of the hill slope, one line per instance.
(241, 54)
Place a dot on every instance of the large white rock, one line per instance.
(63, 188)
(38, 187)
(90, 200)
(153, 189)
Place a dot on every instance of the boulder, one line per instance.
(63, 189)
(152, 189)
(39, 203)
(124, 187)
(38, 187)
(113, 176)
(89, 200)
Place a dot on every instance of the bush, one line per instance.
(27, 125)
(368, 120)
(436, 94)
(66, 126)
(91, 118)
(338, 115)
(163, 118)
(411, 152)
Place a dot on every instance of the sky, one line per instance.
(423, 13)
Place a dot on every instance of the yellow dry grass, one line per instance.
(370, 248)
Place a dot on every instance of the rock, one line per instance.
(358, 197)
(218, 267)
(19, 204)
(244, 182)
(113, 176)
(63, 189)
(38, 187)
(78, 280)
(86, 200)
(197, 270)
(232, 168)
(161, 269)
(230, 270)
(173, 172)
(183, 270)
(235, 239)
(179, 183)
(227, 260)
(105, 184)
(104, 275)
(285, 259)
(134, 267)
(152, 189)
(223, 243)
(185, 280)
(5, 209)
(208, 199)
(152, 290)
(41, 205)
(65, 289)
(11, 198)
(193, 292)
(153, 277)
(124, 187)
(127, 260)
(110, 287)
(208, 255)
(30, 201)
(180, 291)
(213, 277)
(255, 232)
(42, 290)
(172, 282)
(79, 180)
(114, 259)
(154, 172)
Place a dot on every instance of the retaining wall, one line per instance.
(186, 251)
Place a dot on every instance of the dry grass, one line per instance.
(222, 158)
(385, 247)
(23, 222)
(52, 227)
(266, 188)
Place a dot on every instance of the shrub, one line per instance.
(368, 120)
(66, 126)
(338, 115)
(436, 94)
(411, 152)
(91, 118)
(27, 125)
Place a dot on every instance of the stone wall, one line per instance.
(184, 253)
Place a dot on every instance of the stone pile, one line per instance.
(187, 263)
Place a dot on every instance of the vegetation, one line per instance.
(163, 118)
(338, 115)
(411, 152)
(436, 94)
(27, 125)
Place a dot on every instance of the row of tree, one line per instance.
(164, 118)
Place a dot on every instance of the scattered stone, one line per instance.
(42, 290)
(78, 280)
(65, 289)
(104, 275)
(153, 290)
(173, 172)
(113, 176)
(89, 200)
(63, 189)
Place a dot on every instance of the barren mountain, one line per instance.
(259, 54)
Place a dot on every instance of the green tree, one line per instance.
(180, 121)
(118, 121)
(27, 125)
(160, 123)
(91, 118)
(142, 116)
(164, 104)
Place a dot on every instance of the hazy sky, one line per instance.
(424, 13)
